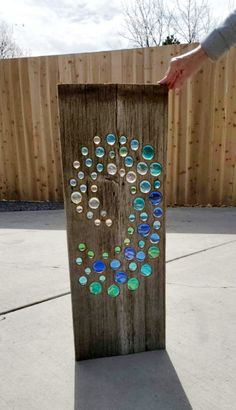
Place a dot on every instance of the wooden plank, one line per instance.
(133, 321)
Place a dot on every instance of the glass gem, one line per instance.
(97, 140)
(95, 288)
(94, 188)
(155, 197)
(94, 203)
(133, 266)
(122, 172)
(155, 169)
(97, 222)
(94, 175)
(108, 222)
(138, 203)
(144, 216)
(105, 255)
(133, 284)
(81, 246)
(130, 230)
(121, 277)
(76, 164)
(123, 139)
(83, 280)
(153, 252)
(134, 144)
(89, 214)
(112, 154)
(156, 224)
(133, 190)
(144, 229)
(103, 213)
(83, 188)
(79, 260)
(81, 175)
(99, 167)
(157, 212)
(113, 291)
(110, 139)
(127, 241)
(76, 197)
(154, 238)
(140, 255)
(99, 266)
(111, 169)
(91, 254)
(117, 249)
(131, 177)
(157, 184)
(87, 270)
(132, 217)
(102, 278)
(84, 151)
(129, 161)
(123, 151)
(146, 269)
(148, 152)
(115, 264)
(73, 182)
(145, 186)
(88, 162)
(141, 244)
(79, 209)
(99, 152)
(129, 253)
(142, 168)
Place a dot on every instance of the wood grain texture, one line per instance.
(134, 321)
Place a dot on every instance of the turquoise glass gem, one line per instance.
(123, 139)
(100, 167)
(87, 270)
(81, 175)
(123, 151)
(84, 151)
(155, 169)
(115, 264)
(83, 188)
(156, 225)
(145, 186)
(100, 152)
(155, 197)
(95, 288)
(113, 291)
(133, 284)
(154, 238)
(79, 261)
(144, 229)
(121, 277)
(142, 168)
(88, 162)
(157, 184)
(140, 255)
(83, 280)
(129, 253)
(141, 244)
(148, 152)
(157, 212)
(134, 144)
(110, 139)
(144, 216)
(102, 278)
(99, 266)
(94, 176)
(132, 217)
(146, 269)
(129, 161)
(133, 266)
(138, 203)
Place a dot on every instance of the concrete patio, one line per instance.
(198, 369)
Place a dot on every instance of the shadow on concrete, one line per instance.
(142, 381)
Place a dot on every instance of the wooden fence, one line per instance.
(202, 122)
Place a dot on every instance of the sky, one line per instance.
(44, 27)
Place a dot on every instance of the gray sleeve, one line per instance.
(221, 38)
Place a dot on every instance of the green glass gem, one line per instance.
(79, 261)
(138, 203)
(132, 217)
(127, 241)
(146, 269)
(153, 252)
(133, 284)
(82, 247)
(155, 169)
(141, 244)
(123, 151)
(95, 288)
(112, 154)
(117, 249)
(145, 186)
(83, 280)
(133, 190)
(130, 230)
(105, 255)
(113, 291)
(133, 266)
(148, 152)
(91, 254)
(157, 184)
(87, 270)
(102, 278)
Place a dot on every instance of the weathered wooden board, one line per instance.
(133, 321)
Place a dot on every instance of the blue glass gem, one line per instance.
(99, 167)
(129, 253)
(88, 162)
(154, 238)
(134, 144)
(157, 212)
(140, 255)
(110, 139)
(121, 277)
(157, 184)
(123, 139)
(99, 266)
(115, 264)
(144, 229)
(99, 151)
(129, 161)
(79, 261)
(155, 197)
(132, 217)
(145, 186)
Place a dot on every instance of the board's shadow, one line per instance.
(143, 381)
